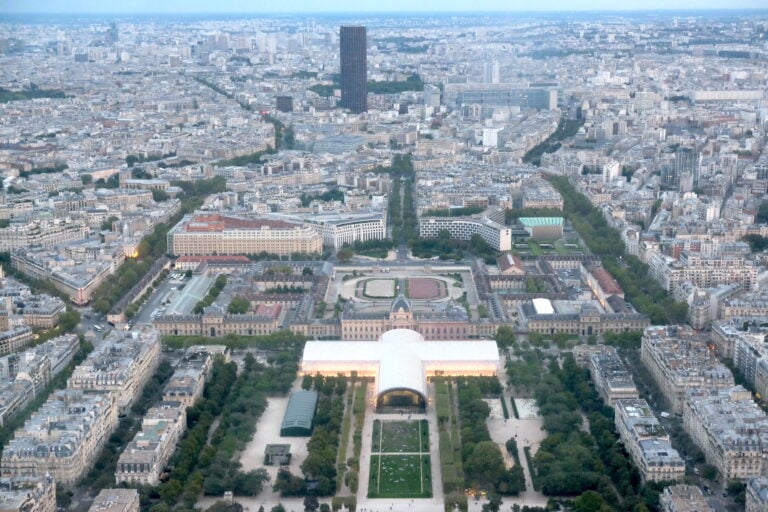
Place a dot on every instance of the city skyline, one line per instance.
(348, 6)
(372, 258)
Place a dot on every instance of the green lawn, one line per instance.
(400, 436)
(561, 250)
(374, 253)
(400, 476)
(394, 474)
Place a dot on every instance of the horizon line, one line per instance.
(415, 11)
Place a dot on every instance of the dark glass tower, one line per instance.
(354, 69)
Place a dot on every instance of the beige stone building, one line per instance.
(122, 364)
(15, 340)
(147, 454)
(647, 442)
(757, 495)
(731, 430)
(679, 361)
(684, 498)
(116, 500)
(188, 379)
(28, 495)
(612, 380)
(447, 321)
(63, 438)
(218, 234)
(587, 321)
(216, 322)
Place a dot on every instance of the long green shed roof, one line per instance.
(300, 411)
(541, 221)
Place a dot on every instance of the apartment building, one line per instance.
(582, 354)
(122, 364)
(219, 234)
(684, 498)
(647, 442)
(15, 339)
(77, 279)
(145, 457)
(497, 235)
(116, 500)
(749, 351)
(757, 495)
(188, 379)
(703, 272)
(42, 233)
(28, 495)
(63, 438)
(724, 336)
(25, 374)
(731, 430)
(342, 229)
(612, 380)
(679, 361)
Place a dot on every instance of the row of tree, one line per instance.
(447, 248)
(565, 128)
(586, 463)
(643, 291)
(334, 194)
(102, 473)
(483, 463)
(319, 468)
(213, 293)
(219, 426)
(284, 340)
(401, 214)
(154, 245)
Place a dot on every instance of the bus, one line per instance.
(98, 328)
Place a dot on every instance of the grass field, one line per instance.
(400, 436)
(379, 288)
(400, 476)
(400, 462)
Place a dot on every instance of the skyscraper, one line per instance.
(491, 72)
(354, 69)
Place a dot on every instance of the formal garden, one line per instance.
(400, 461)
(415, 288)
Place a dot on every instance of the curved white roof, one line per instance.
(399, 365)
(403, 358)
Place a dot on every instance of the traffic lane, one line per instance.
(144, 315)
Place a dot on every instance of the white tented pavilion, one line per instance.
(400, 362)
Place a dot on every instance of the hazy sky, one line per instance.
(317, 6)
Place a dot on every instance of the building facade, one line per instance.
(145, 457)
(731, 430)
(678, 362)
(63, 438)
(647, 442)
(122, 364)
(354, 68)
(757, 495)
(116, 500)
(498, 236)
(203, 235)
(612, 380)
(28, 495)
